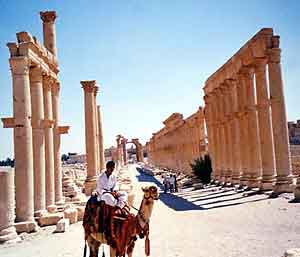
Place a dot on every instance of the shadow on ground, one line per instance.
(204, 199)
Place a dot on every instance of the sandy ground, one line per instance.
(210, 222)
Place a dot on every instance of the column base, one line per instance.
(9, 235)
(253, 183)
(26, 226)
(40, 213)
(297, 191)
(52, 208)
(283, 184)
(61, 202)
(90, 185)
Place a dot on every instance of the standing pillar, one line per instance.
(243, 128)
(56, 144)
(100, 139)
(235, 133)
(279, 121)
(7, 207)
(23, 145)
(49, 33)
(38, 137)
(253, 131)
(265, 125)
(97, 130)
(90, 135)
(124, 141)
(49, 144)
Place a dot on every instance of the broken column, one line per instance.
(49, 32)
(7, 207)
(90, 135)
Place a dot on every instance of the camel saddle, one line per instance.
(117, 228)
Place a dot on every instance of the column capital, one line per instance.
(88, 85)
(274, 55)
(19, 65)
(36, 74)
(246, 72)
(96, 89)
(55, 87)
(48, 82)
(260, 64)
(48, 16)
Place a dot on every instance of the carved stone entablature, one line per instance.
(257, 47)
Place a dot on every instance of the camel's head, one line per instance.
(150, 193)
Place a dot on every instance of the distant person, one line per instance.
(172, 184)
(107, 188)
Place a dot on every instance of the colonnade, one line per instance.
(179, 142)
(246, 118)
(34, 69)
(93, 135)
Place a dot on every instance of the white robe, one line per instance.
(109, 184)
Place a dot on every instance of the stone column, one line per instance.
(228, 139)
(243, 128)
(97, 130)
(279, 121)
(100, 139)
(235, 133)
(38, 137)
(265, 125)
(124, 142)
(49, 144)
(90, 135)
(49, 33)
(253, 130)
(23, 144)
(59, 199)
(7, 207)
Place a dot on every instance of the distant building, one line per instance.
(76, 158)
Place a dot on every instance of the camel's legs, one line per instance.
(112, 252)
(93, 246)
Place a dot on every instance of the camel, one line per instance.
(140, 227)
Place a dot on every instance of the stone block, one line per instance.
(71, 214)
(26, 226)
(51, 208)
(62, 225)
(198, 186)
(50, 219)
(294, 252)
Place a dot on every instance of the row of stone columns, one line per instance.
(93, 135)
(36, 131)
(247, 125)
(179, 142)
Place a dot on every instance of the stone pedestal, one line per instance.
(7, 207)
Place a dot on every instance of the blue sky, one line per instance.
(151, 58)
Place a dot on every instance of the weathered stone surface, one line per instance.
(198, 186)
(50, 219)
(62, 225)
(294, 252)
(71, 214)
(80, 212)
(26, 226)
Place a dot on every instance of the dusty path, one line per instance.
(212, 222)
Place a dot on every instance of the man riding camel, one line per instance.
(107, 188)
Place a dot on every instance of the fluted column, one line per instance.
(100, 139)
(7, 207)
(265, 125)
(49, 33)
(23, 141)
(90, 135)
(253, 130)
(38, 137)
(279, 121)
(49, 143)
